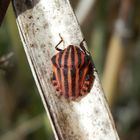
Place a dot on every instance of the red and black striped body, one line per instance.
(72, 72)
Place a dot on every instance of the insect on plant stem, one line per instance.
(73, 71)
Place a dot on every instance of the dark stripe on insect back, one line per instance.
(72, 56)
(79, 56)
(65, 73)
(73, 71)
(54, 60)
(77, 76)
(66, 57)
(59, 76)
(60, 58)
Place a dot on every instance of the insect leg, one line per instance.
(56, 47)
(83, 48)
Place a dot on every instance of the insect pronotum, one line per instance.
(73, 71)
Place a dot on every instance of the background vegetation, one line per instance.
(112, 31)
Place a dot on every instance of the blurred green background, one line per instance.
(112, 31)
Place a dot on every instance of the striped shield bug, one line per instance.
(73, 71)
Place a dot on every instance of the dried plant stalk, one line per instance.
(39, 23)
